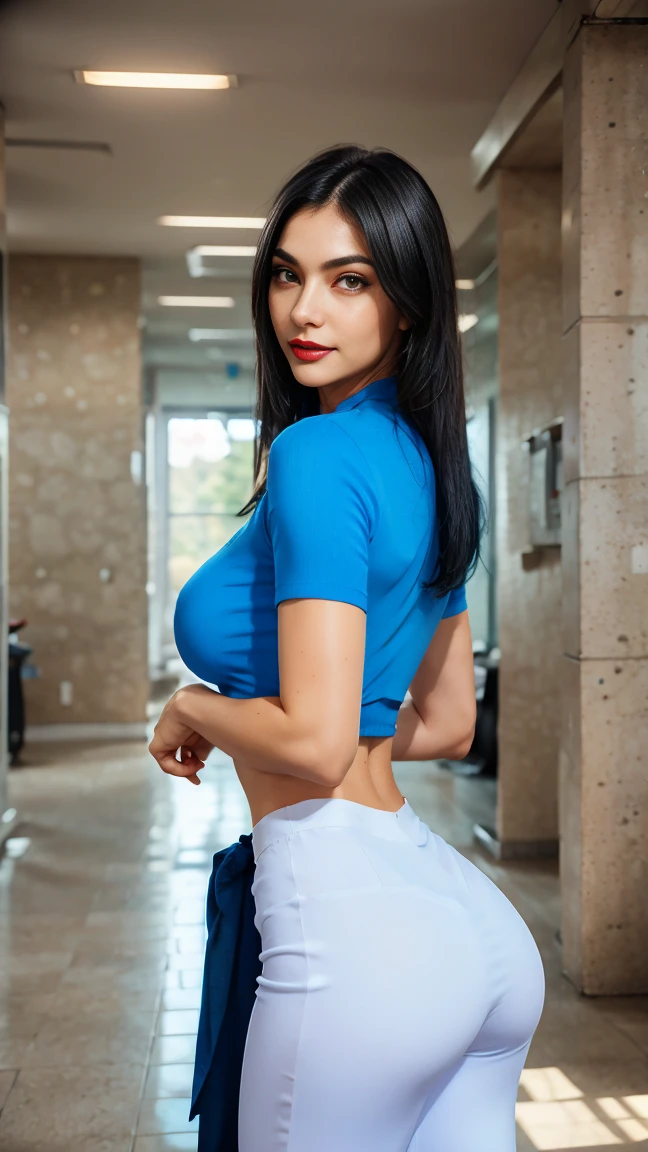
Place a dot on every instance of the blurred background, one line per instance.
(140, 149)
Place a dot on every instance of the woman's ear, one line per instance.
(404, 324)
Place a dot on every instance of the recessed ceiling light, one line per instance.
(464, 285)
(154, 79)
(234, 335)
(212, 221)
(223, 250)
(196, 301)
(466, 322)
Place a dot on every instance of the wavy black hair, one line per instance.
(389, 201)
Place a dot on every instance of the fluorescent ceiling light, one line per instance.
(155, 79)
(223, 250)
(196, 301)
(235, 335)
(212, 221)
(467, 321)
(464, 285)
(208, 260)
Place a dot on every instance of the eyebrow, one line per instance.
(339, 262)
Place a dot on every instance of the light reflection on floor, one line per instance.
(557, 1115)
(101, 951)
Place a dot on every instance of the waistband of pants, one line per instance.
(338, 813)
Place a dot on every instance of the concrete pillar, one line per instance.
(7, 813)
(77, 496)
(604, 752)
(528, 583)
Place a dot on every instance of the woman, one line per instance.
(400, 989)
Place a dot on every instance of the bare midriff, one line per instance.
(369, 781)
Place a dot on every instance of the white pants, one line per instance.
(399, 994)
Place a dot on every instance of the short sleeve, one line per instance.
(322, 513)
(456, 602)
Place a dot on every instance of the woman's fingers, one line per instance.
(193, 752)
(187, 767)
(200, 747)
(191, 759)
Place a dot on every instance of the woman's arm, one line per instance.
(439, 719)
(310, 730)
(321, 513)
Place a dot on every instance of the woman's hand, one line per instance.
(171, 733)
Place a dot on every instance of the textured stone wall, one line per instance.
(4, 768)
(481, 377)
(529, 585)
(77, 518)
(604, 750)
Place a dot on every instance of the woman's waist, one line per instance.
(303, 816)
(369, 781)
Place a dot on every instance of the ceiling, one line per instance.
(420, 76)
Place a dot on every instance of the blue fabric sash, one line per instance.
(232, 965)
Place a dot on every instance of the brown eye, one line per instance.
(353, 281)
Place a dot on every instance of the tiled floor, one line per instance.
(101, 950)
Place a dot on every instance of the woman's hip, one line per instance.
(346, 894)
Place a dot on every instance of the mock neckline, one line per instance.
(384, 389)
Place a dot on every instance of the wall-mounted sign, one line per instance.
(545, 485)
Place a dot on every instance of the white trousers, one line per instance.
(399, 994)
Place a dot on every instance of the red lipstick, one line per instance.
(308, 350)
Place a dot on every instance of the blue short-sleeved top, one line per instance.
(349, 513)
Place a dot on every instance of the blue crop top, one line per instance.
(349, 513)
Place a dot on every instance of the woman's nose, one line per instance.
(307, 309)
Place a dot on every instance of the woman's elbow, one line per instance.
(462, 746)
(328, 761)
(330, 772)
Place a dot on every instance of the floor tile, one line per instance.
(178, 1023)
(99, 998)
(173, 1050)
(168, 1115)
(175, 1142)
(192, 913)
(568, 1032)
(24, 1015)
(187, 960)
(128, 973)
(190, 940)
(103, 1040)
(56, 1109)
(13, 1050)
(37, 964)
(32, 983)
(169, 1080)
(191, 977)
(174, 999)
(7, 1078)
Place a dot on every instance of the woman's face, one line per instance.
(325, 291)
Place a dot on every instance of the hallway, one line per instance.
(101, 938)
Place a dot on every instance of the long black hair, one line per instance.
(379, 192)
